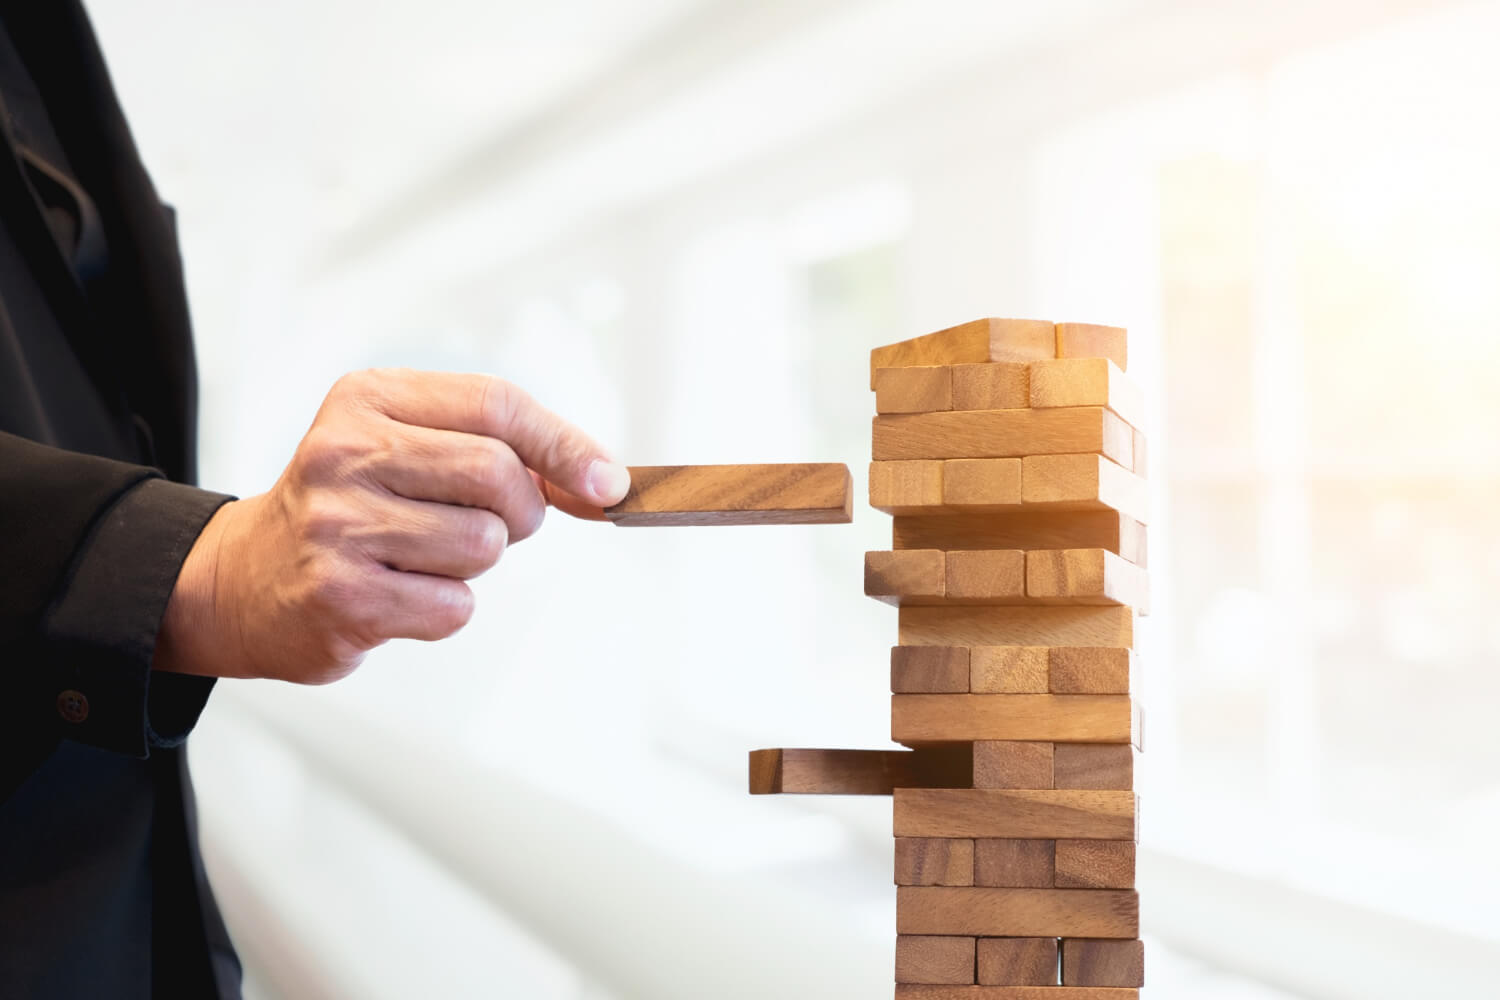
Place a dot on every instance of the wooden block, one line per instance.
(929, 669)
(1000, 386)
(985, 576)
(1095, 864)
(906, 487)
(914, 390)
(788, 771)
(1085, 576)
(1082, 482)
(1003, 434)
(1094, 765)
(1064, 718)
(981, 484)
(934, 861)
(1138, 453)
(922, 958)
(1012, 764)
(1008, 669)
(1009, 961)
(1014, 814)
(736, 494)
(1016, 864)
(1090, 670)
(1026, 528)
(981, 340)
(1087, 382)
(1016, 626)
(1086, 340)
(984, 912)
(905, 991)
(905, 574)
(1101, 963)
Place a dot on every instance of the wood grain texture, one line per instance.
(1088, 340)
(1000, 386)
(1016, 626)
(1064, 718)
(1088, 962)
(980, 340)
(1094, 864)
(984, 912)
(929, 669)
(789, 771)
(914, 487)
(914, 992)
(666, 495)
(914, 390)
(905, 575)
(1012, 764)
(985, 576)
(982, 484)
(1015, 864)
(934, 861)
(1087, 382)
(1003, 434)
(1082, 482)
(936, 959)
(1017, 961)
(1024, 528)
(1090, 670)
(1094, 765)
(1014, 814)
(1008, 670)
(1138, 453)
(1085, 576)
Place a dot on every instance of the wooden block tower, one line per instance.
(1010, 454)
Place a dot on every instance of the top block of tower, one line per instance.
(989, 340)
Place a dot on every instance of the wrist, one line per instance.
(190, 639)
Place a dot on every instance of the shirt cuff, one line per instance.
(101, 632)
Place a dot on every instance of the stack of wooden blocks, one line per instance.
(1010, 454)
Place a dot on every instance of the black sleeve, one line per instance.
(89, 552)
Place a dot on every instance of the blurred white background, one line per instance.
(683, 224)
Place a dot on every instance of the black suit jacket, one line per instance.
(102, 892)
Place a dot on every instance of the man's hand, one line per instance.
(407, 484)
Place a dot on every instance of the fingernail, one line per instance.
(608, 481)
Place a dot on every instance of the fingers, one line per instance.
(418, 606)
(566, 502)
(439, 539)
(481, 404)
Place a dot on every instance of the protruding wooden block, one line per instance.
(1025, 528)
(1086, 340)
(1008, 669)
(1094, 765)
(914, 390)
(899, 576)
(986, 912)
(1009, 961)
(1000, 386)
(1101, 963)
(934, 861)
(1012, 764)
(1085, 576)
(1067, 718)
(817, 493)
(922, 958)
(982, 483)
(1090, 670)
(984, 576)
(1015, 864)
(914, 487)
(929, 669)
(1082, 482)
(1087, 382)
(981, 340)
(1003, 434)
(905, 991)
(796, 771)
(1138, 453)
(1014, 814)
(1016, 626)
(1095, 864)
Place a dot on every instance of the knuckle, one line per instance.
(485, 537)
(456, 608)
(483, 468)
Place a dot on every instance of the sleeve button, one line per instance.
(73, 706)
